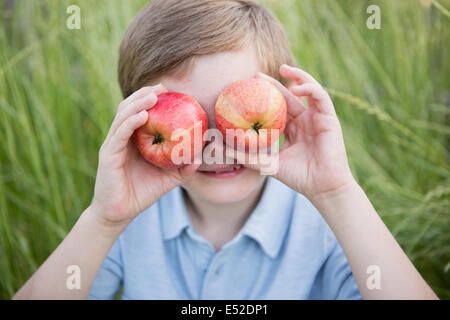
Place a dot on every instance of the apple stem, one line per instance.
(257, 126)
(158, 139)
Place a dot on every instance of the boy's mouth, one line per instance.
(221, 171)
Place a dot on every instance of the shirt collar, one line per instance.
(174, 215)
(267, 224)
(270, 220)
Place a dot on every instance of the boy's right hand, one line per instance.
(126, 183)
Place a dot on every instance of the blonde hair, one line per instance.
(166, 36)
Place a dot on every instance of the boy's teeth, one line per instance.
(235, 167)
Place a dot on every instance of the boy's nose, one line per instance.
(210, 114)
(213, 149)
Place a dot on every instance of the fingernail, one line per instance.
(156, 87)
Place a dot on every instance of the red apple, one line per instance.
(174, 113)
(251, 105)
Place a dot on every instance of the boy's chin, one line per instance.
(223, 197)
(225, 191)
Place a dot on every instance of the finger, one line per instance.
(123, 134)
(133, 107)
(315, 92)
(297, 75)
(134, 100)
(294, 106)
(158, 89)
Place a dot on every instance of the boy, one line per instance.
(224, 231)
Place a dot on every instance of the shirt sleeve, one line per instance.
(338, 277)
(109, 278)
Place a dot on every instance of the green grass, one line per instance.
(58, 94)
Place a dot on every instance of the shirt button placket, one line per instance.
(212, 283)
(218, 271)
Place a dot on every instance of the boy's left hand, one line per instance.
(312, 160)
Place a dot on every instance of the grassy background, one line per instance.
(58, 93)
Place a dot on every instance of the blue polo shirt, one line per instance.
(285, 250)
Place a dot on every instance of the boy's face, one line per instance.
(208, 78)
